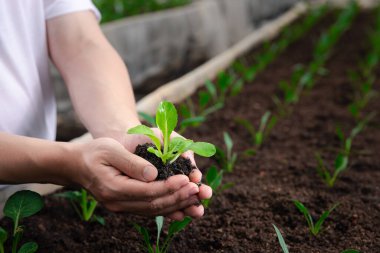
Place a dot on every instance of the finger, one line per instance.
(190, 155)
(132, 165)
(127, 189)
(195, 211)
(146, 208)
(205, 192)
(177, 215)
(195, 176)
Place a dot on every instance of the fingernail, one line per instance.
(149, 173)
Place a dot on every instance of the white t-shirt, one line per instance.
(27, 103)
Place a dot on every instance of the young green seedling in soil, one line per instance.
(314, 228)
(166, 120)
(214, 179)
(342, 159)
(226, 84)
(364, 78)
(267, 122)
(161, 247)
(20, 205)
(272, 50)
(190, 116)
(285, 249)
(226, 159)
(306, 76)
(281, 240)
(84, 205)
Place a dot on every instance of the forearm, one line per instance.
(97, 79)
(31, 160)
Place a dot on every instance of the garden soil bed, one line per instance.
(240, 219)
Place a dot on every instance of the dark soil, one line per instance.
(179, 166)
(240, 219)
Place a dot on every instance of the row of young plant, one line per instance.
(302, 77)
(362, 80)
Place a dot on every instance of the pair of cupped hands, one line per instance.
(124, 182)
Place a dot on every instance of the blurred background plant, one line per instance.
(116, 9)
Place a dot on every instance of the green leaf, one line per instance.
(145, 234)
(3, 236)
(141, 129)
(281, 240)
(211, 174)
(212, 109)
(23, 204)
(237, 87)
(306, 213)
(211, 89)
(247, 125)
(204, 149)
(339, 133)
(228, 141)
(71, 195)
(224, 81)
(341, 163)
(155, 151)
(29, 247)
(214, 178)
(204, 98)
(166, 120)
(350, 251)
(192, 121)
(149, 119)
(177, 146)
(323, 217)
(177, 226)
(99, 219)
(159, 223)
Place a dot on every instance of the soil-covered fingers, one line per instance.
(123, 188)
(205, 192)
(162, 206)
(195, 176)
(194, 211)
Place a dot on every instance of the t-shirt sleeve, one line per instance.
(54, 8)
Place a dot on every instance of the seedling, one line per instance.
(267, 122)
(342, 159)
(83, 204)
(364, 78)
(214, 179)
(166, 120)
(217, 93)
(161, 247)
(285, 249)
(281, 240)
(226, 159)
(190, 116)
(272, 50)
(314, 228)
(21, 204)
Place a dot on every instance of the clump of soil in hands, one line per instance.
(181, 166)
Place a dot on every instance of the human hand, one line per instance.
(122, 181)
(131, 141)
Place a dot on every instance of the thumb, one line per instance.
(133, 165)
